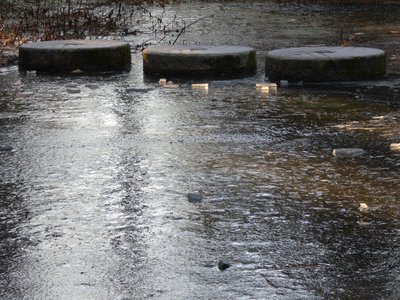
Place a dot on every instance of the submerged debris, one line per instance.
(4, 147)
(195, 197)
(348, 152)
(224, 264)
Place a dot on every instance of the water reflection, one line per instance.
(94, 197)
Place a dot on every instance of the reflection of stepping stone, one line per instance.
(325, 64)
(71, 55)
(200, 61)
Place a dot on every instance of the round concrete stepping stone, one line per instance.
(316, 64)
(73, 55)
(199, 61)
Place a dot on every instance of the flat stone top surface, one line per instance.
(198, 50)
(74, 44)
(324, 53)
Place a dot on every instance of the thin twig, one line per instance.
(187, 26)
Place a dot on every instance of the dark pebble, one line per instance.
(195, 197)
(5, 147)
(223, 264)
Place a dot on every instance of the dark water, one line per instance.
(93, 198)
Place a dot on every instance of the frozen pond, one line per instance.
(93, 198)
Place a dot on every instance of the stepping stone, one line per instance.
(200, 61)
(317, 64)
(72, 55)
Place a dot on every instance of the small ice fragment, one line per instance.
(362, 207)
(200, 86)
